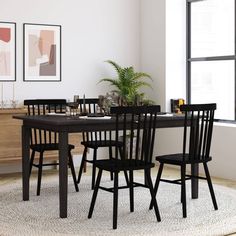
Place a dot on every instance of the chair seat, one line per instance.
(48, 147)
(101, 143)
(177, 159)
(120, 165)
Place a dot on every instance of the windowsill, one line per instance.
(225, 123)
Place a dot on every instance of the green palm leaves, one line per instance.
(127, 83)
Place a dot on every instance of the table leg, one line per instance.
(25, 132)
(194, 181)
(63, 169)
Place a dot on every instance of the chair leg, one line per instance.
(40, 173)
(110, 156)
(95, 192)
(85, 164)
(154, 201)
(183, 190)
(31, 161)
(131, 190)
(94, 168)
(210, 186)
(126, 178)
(82, 164)
(157, 182)
(115, 200)
(72, 168)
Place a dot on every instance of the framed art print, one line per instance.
(42, 52)
(7, 51)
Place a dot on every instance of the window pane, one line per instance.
(212, 28)
(213, 81)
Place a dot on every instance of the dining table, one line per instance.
(63, 125)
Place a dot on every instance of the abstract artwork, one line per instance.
(7, 51)
(42, 52)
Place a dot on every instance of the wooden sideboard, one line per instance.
(10, 138)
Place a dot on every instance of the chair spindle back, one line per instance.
(135, 127)
(198, 129)
(89, 106)
(42, 107)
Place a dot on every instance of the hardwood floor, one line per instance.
(167, 173)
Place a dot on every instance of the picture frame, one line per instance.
(7, 51)
(41, 52)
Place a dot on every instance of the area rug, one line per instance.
(40, 215)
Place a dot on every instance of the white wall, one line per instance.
(223, 151)
(163, 48)
(175, 50)
(153, 42)
(92, 31)
(163, 44)
(157, 59)
(149, 34)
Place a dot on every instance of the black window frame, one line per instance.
(190, 60)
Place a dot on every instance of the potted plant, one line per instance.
(127, 84)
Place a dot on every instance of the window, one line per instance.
(211, 55)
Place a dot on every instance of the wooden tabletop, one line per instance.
(76, 124)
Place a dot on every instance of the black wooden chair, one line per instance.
(196, 149)
(42, 140)
(136, 127)
(93, 140)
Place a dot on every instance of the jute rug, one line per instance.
(40, 215)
